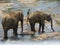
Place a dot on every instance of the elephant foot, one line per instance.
(15, 35)
(32, 36)
(22, 35)
(43, 31)
(39, 33)
(5, 38)
(53, 30)
(34, 31)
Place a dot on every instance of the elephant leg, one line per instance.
(39, 28)
(15, 31)
(43, 24)
(32, 27)
(5, 34)
(22, 26)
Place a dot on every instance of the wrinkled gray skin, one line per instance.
(10, 21)
(39, 17)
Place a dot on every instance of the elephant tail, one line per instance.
(28, 13)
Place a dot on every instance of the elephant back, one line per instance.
(35, 14)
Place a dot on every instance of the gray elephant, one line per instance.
(10, 21)
(39, 17)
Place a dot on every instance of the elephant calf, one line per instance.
(10, 21)
(39, 17)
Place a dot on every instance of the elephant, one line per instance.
(10, 21)
(39, 17)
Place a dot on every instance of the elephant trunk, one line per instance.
(52, 25)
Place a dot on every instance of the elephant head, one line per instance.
(49, 19)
